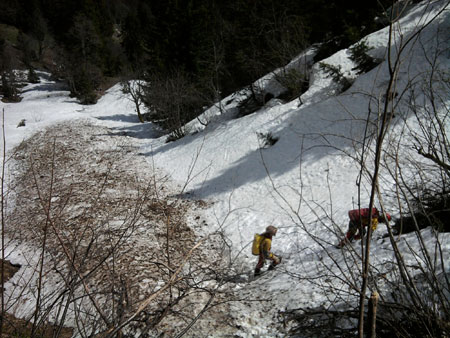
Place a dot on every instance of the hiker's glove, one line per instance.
(276, 260)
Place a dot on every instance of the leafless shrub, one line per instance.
(294, 80)
(172, 100)
(135, 91)
(413, 286)
(114, 248)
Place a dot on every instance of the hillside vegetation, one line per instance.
(130, 211)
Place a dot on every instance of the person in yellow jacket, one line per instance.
(265, 244)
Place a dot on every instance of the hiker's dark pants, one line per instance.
(261, 261)
(353, 229)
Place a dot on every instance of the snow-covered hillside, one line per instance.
(224, 162)
(306, 182)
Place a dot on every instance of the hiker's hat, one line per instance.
(271, 230)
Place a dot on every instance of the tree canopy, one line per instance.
(230, 43)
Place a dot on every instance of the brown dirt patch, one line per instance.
(15, 327)
(9, 270)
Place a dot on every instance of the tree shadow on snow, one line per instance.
(48, 87)
(120, 118)
(255, 167)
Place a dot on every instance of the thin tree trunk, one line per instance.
(372, 314)
(3, 225)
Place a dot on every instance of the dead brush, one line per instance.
(105, 238)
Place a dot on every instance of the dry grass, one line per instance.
(112, 232)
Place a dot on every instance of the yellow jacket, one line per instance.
(261, 246)
(265, 246)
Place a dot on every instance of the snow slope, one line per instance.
(307, 175)
(232, 170)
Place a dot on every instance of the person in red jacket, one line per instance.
(359, 220)
(265, 245)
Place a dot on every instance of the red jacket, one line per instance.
(354, 215)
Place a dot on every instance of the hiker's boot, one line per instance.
(343, 242)
(257, 272)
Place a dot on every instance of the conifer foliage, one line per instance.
(221, 45)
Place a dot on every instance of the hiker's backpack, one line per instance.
(257, 240)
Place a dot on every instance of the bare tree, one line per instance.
(412, 286)
(3, 222)
(173, 100)
(135, 90)
(119, 261)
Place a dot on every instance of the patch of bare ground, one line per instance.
(15, 327)
(110, 251)
(8, 269)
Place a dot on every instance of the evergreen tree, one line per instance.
(223, 45)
